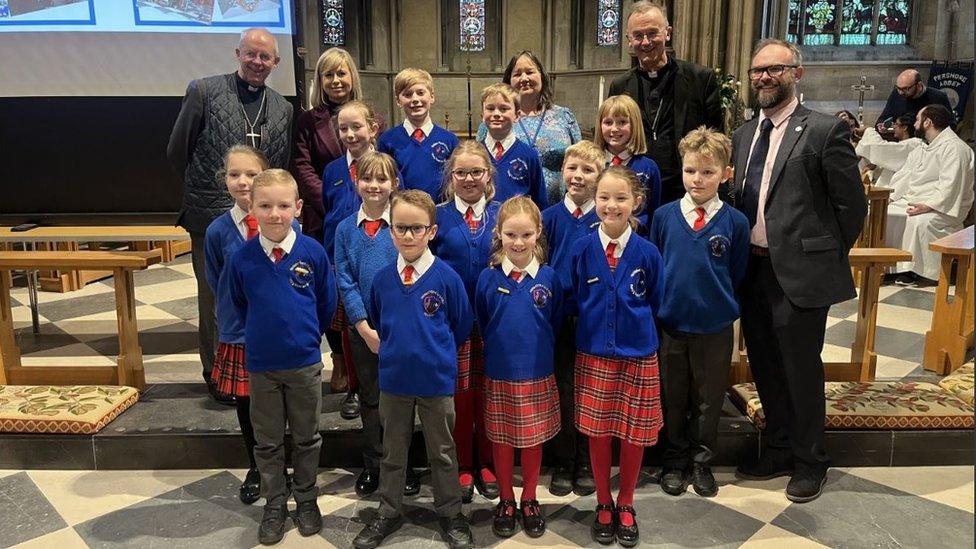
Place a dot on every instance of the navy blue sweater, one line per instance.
(519, 172)
(466, 253)
(421, 327)
(616, 309)
(285, 307)
(421, 164)
(562, 230)
(701, 269)
(222, 240)
(339, 200)
(518, 322)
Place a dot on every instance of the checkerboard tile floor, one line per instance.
(864, 507)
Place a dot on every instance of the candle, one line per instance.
(600, 96)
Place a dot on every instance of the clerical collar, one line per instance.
(245, 87)
(659, 72)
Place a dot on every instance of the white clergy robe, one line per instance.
(939, 175)
(888, 156)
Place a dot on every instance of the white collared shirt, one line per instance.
(478, 208)
(427, 126)
(285, 244)
(780, 125)
(688, 207)
(361, 215)
(420, 266)
(238, 214)
(624, 156)
(507, 143)
(621, 241)
(350, 158)
(532, 269)
(571, 206)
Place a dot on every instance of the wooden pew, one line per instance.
(871, 262)
(952, 318)
(129, 369)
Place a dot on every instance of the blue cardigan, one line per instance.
(466, 253)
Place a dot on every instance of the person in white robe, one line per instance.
(933, 194)
(884, 158)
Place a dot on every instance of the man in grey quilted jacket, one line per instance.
(218, 112)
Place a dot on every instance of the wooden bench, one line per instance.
(871, 262)
(952, 316)
(128, 371)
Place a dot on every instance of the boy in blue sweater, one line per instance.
(518, 170)
(283, 289)
(420, 308)
(419, 146)
(705, 246)
(565, 223)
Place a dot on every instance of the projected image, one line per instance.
(200, 11)
(247, 10)
(4, 9)
(34, 12)
(20, 7)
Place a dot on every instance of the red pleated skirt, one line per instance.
(521, 413)
(618, 397)
(471, 364)
(229, 373)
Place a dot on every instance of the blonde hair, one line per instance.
(587, 151)
(468, 146)
(368, 115)
(417, 199)
(378, 164)
(275, 177)
(633, 183)
(513, 206)
(622, 105)
(507, 93)
(410, 77)
(330, 60)
(708, 143)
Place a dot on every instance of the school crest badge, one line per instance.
(432, 302)
(439, 151)
(518, 169)
(638, 283)
(541, 295)
(718, 245)
(300, 275)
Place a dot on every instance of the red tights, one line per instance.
(505, 469)
(469, 431)
(631, 456)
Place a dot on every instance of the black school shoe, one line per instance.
(251, 487)
(583, 484)
(533, 521)
(504, 524)
(489, 489)
(467, 489)
(771, 465)
(674, 482)
(807, 483)
(308, 518)
(272, 527)
(702, 481)
(373, 534)
(349, 408)
(367, 482)
(627, 536)
(411, 486)
(561, 482)
(457, 532)
(604, 533)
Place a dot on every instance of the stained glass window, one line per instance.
(893, 19)
(608, 25)
(819, 22)
(857, 17)
(333, 23)
(472, 25)
(793, 27)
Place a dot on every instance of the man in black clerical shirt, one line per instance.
(909, 96)
(218, 112)
(674, 96)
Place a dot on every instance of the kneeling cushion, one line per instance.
(960, 383)
(80, 409)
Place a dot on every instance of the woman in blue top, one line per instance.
(543, 125)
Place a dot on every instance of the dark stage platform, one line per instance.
(176, 426)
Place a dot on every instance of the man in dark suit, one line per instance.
(797, 181)
(674, 96)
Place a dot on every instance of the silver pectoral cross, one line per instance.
(860, 89)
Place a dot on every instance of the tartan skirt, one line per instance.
(471, 364)
(521, 414)
(618, 397)
(339, 320)
(229, 373)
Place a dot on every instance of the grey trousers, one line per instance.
(206, 308)
(367, 370)
(437, 421)
(293, 397)
(694, 375)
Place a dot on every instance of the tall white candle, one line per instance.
(600, 97)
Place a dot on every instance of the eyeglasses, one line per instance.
(774, 71)
(416, 230)
(476, 173)
(906, 89)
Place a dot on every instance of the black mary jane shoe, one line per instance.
(604, 533)
(533, 521)
(505, 523)
(251, 487)
(489, 489)
(627, 536)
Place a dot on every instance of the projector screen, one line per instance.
(110, 48)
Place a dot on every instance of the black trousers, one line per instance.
(784, 343)
(694, 375)
(206, 308)
(569, 448)
(367, 370)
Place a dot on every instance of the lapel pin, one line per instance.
(798, 129)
